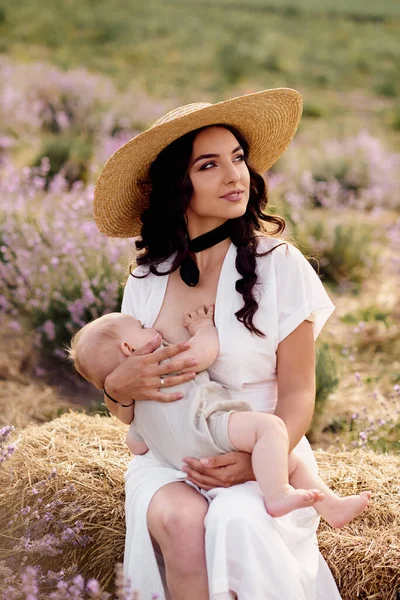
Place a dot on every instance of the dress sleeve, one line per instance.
(131, 298)
(300, 293)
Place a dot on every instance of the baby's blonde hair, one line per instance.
(94, 348)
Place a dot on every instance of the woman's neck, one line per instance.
(208, 258)
(198, 226)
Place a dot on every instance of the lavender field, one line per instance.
(338, 187)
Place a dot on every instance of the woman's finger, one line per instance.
(149, 347)
(196, 465)
(170, 381)
(176, 366)
(178, 379)
(203, 481)
(167, 352)
(223, 460)
(214, 462)
(161, 397)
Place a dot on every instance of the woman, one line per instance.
(194, 181)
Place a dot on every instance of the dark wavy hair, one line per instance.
(164, 230)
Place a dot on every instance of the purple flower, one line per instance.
(93, 587)
(49, 330)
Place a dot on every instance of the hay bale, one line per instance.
(23, 400)
(364, 556)
(89, 451)
(24, 403)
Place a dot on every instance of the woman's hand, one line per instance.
(219, 471)
(138, 377)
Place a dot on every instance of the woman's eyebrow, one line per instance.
(202, 156)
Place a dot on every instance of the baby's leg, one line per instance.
(337, 511)
(265, 437)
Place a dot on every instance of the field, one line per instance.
(344, 56)
(79, 79)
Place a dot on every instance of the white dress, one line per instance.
(248, 552)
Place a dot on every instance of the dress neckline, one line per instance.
(163, 289)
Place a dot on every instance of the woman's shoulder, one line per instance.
(141, 281)
(283, 258)
(277, 248)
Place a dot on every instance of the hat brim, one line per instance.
(268, 120)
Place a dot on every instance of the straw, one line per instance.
(89, 451)
(268, 120)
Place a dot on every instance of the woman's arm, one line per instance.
(296, 381)
(138, 377)
(296, 398)
(126, 415)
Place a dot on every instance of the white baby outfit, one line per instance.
(254, 555)
(195, 426)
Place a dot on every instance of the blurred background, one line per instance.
(80, 78)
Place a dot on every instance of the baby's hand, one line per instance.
(201, 317)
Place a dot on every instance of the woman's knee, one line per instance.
(176, 521)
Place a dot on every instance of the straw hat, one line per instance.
(268, 120)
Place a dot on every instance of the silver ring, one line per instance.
(162, 380)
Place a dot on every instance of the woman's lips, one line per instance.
(233, 196)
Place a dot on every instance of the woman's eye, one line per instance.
(240, 157)
(207, 165)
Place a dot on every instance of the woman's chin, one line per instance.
(236, 210)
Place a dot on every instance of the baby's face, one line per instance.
(133, 332)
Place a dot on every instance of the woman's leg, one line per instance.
(175, 520)
(254, 555)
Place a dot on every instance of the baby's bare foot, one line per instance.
(200, 317)
(290, 500)
(345, 510)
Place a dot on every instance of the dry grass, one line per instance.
(89, 451)
(23, 404)
(364, 556)
(23, 400)
(375, 350)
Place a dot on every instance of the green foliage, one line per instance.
(368, 314)
(378, 434)
(394, 118)
(346, 250)
(313, 110)
(275, 43)
(387, 439)
(326, 376)
(387, 88)
(67, 154)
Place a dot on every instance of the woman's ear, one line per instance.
(126, 348)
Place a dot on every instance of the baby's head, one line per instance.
(101, 345)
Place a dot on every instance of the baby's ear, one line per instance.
(126, 348)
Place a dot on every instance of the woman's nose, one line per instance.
(232, 174)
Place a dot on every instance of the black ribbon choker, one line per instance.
(189, 270)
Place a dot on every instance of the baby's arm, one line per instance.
(134, 441)
(204, 344)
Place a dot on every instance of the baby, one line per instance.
(205, 422)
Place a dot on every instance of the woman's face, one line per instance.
(220, 179)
